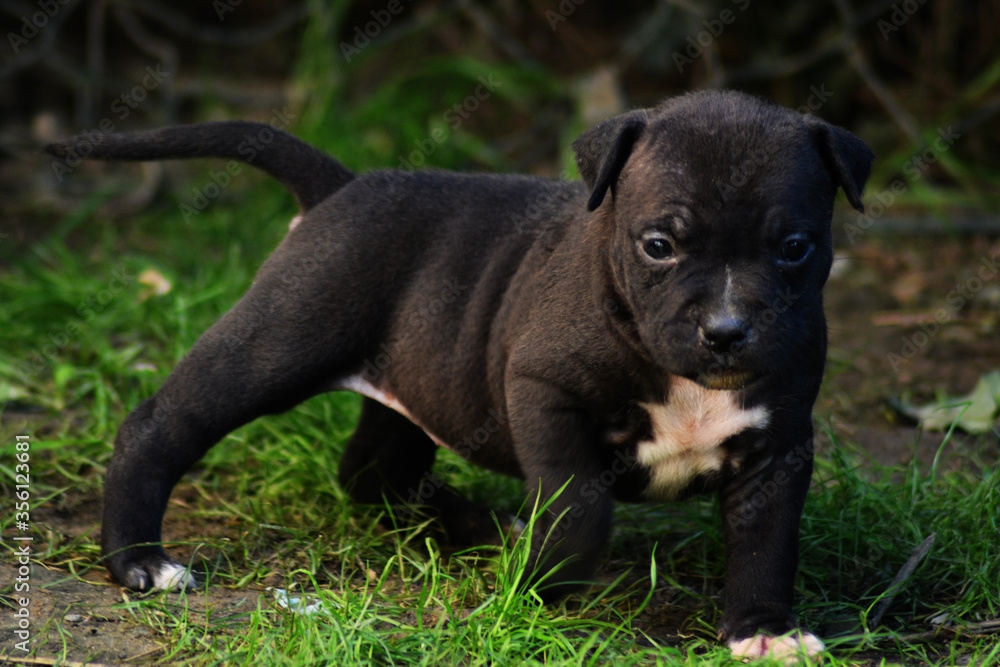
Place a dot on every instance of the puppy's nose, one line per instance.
(721, 333)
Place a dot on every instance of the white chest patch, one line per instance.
(687, 432)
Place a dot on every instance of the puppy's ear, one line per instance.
(847, 158)
(603, 150)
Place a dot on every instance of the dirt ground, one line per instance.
(882, 291)
(883, 302)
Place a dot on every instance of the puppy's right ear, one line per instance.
(603, 150)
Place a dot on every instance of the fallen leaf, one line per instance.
(976, 412)
(155, 281)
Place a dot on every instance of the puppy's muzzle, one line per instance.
(725, 336)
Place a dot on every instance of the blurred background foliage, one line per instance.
(488, 86)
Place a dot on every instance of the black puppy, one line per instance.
(653, 332)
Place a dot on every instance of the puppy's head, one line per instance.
(715, 210)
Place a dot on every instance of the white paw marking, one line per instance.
(786, 648)
(295, 222)
(172, 576)
(687, 431)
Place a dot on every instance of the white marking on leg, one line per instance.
(786, 648)
(295, 222)
(172, 576)
(687, 431)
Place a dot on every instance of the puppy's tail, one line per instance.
(309, 173)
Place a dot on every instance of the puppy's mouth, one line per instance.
(727, 380)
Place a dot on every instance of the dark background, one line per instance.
(895, 73)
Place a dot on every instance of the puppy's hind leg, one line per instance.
(277, 347)
(389, 459)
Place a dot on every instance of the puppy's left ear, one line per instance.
(603, 150)
(847, 158)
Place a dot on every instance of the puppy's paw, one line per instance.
(157, 574)
(172, 576)
(789, 649)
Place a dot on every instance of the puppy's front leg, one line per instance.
(760, 514)
(557, 449)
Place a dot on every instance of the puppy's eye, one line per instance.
(794, 250)
(657, 247)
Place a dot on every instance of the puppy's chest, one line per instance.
(686, 434)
